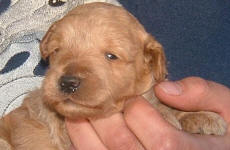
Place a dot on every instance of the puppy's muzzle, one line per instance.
(69, 84)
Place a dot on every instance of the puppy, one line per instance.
(99, 55)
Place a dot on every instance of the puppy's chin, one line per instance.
(73, 110)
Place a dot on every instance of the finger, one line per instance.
(147, 124)
(193, 94)
(115, 134)
(155, 133)
(83, 136)
(212, 142)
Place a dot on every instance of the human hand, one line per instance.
(142, 127)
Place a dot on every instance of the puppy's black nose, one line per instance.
(69, 84)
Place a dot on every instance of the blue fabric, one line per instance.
(23, 23)
(4, 4)
(195, 35)
(15, 61)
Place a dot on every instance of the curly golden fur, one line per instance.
(111, 57)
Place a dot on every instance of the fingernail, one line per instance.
(171, 88)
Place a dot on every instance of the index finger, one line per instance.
(156, 133)
(83, 136)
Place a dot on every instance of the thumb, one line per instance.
(194, 94)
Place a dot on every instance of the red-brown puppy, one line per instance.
(99, 56)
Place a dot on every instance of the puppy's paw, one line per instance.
(168, 115)
(203, 123)
(4, 145)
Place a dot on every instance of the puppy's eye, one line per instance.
(110, 56)
(56, 50)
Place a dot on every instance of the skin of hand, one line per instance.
(141, 127)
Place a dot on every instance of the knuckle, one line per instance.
(199, 86)
(168, 142)
(123, 142)
(133, 109)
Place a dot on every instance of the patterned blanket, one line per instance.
(22, 25)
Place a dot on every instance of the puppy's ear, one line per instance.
(49, 43)
(155, 58)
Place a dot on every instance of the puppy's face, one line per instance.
(99, 56)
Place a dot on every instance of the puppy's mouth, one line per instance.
(72, 109)
(69, 101)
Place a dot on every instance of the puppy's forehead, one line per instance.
(97, 27)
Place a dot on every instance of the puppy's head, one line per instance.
(99, 56)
